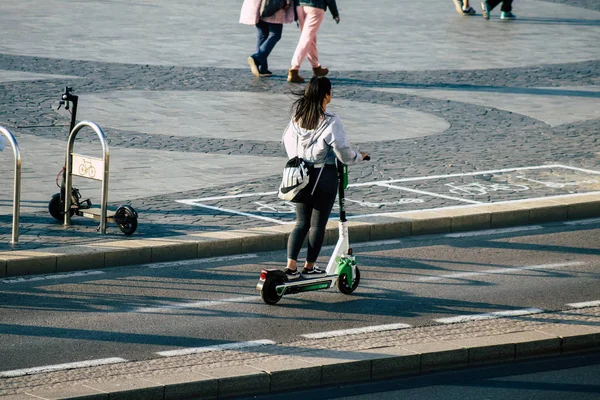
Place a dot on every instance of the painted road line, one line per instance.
(540, 267)
(494, 231)
(59, 367)
(585, 304)
(50, 277)
(492, 315)
(475, 173)
(226, 210)
(198, 262)
(354, 331)
(583, 221)
(219, 347)
(443, 196)
(197, 304)
(365, 244)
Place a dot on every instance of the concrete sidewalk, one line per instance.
(273, 367)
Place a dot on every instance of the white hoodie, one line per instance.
(321, 145)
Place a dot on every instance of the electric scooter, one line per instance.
(125, 216)
(341, 270)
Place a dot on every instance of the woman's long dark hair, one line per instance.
(308, 109)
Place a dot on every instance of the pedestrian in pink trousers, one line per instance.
(268, 32)
(310, 16)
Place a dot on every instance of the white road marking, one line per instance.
(201, 261)
(219, 347)
(443, 196)
(494, 231)
(365, 244)
(475, 173)
(50, 277)
(245, 214)
(233, 196)
(58, 367)
(389, 183)
(354, 331)
(197, 304)
(583, 221)
(586, 304)
(492, 315)
(499, 271)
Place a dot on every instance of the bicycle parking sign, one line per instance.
(88, 167)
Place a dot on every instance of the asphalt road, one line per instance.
(567, 378)
(135, 312)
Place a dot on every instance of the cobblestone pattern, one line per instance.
(334, 347)
(479, 137)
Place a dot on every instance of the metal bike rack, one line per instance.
(17, 184)
(87, 167)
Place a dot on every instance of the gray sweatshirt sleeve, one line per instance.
(342, 149)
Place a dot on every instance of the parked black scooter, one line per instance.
(125, 216)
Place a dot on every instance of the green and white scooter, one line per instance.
(341, 269)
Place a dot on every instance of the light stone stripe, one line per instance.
(585, 304)
(58, 367)
(50, 277)
(583, 221)
(197, 304)
(354, 331)
(219, 347)
(494, 231)
(200, 261)
(492, 315)
(500, 271)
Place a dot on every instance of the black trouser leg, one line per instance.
(493, 3)
(506, 5)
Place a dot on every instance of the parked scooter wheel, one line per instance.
(55, 209)
(269, 293)
(126, 217)
(343, 284)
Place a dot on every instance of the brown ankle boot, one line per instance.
(294, 76)
(320, 71)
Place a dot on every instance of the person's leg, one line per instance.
(312, 23)
(506, 6)
(262, 32)
(299, 53)
(493, 3)
(298, 234)
(323, 203)
(273, 35)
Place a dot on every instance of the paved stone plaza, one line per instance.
(427, 92)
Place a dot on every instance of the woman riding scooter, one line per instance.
(319, 138)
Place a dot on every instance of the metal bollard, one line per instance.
(17, 182)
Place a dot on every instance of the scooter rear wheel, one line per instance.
(343, 284)
(126, 218)
(269, 293)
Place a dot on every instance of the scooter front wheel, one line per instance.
(55, 210)
(343, 284)
(269, 291)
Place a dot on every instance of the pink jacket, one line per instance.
(251, 8)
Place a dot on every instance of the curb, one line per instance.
(268, 370)
(124, 252)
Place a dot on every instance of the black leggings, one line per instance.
(311, 219)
